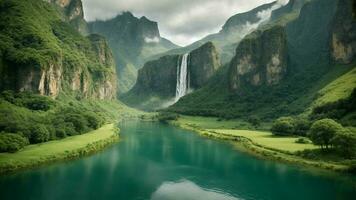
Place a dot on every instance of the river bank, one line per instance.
(261, 144)
(68, 148)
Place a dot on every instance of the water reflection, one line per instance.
(149, 160)
(187, 190)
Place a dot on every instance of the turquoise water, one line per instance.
(160, 162)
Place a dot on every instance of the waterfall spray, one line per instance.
(182, 78)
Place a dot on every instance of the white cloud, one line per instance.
(181, 21)
(151, 40)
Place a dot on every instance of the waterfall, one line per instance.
(182, 78)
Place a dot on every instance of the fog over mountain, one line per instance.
(181, 21)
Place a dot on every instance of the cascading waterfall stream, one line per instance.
(182, 78)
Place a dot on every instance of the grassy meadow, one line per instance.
(66, 148)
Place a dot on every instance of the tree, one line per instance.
(283, 126)
(345, 143)
(322, 132)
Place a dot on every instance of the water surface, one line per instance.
(160, 162)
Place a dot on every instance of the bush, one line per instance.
(166, 116)
(39, 133)
(283, 126)
(254, 121)
(10, 142)
(322, 132)
(301, 126)
(79, 122)
(94, 121)
(302, 140)
(345, 143)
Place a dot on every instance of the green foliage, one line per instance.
(338, 110)
(65, 117)
(345, 143)
(10, 142)
(39, 133)
(254, 121)
(323, 131)
(283, 126)
(167, 116)
(302, 140)
(28, 100)
(290, 126)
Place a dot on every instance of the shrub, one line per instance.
(39, 133)
(79, 122)
(345, 143)
(283, 126)
(166, 116)
(322, 132)
(254, 121)
(302, 140)
(10, 142)
(301, 126)
(94, 121)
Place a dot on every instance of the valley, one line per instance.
(113, 108)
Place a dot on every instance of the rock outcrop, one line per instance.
(158, 78)
(260, 59)
(203, 63)
(343, 40)
(132, 40)
(73, 12)
(70, 63)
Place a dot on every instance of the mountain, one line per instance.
(284, 66)
(41, 52)
(132, 41)
(72, 11)
(234, 30)
(156, 84)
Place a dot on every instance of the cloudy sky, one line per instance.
(181, 21)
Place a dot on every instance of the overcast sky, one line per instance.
(181, 21)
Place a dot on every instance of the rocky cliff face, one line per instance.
(158, 78)
(203, 63)
(73, 12)
(261, 58)
(132, 40)
(343, 40)
(70, 63)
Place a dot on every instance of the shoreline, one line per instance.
(248, 146)
(69, 148)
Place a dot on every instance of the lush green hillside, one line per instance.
(239, 90)
(41, 52)
(156, 83)
(55, 82)
(132, 41)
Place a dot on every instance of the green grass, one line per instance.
(269, 141)
(215, 123)
(229, 128)
(340, 88)
(262, 144)
(69, 147)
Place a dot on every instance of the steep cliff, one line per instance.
(157, 80)
(261, 58)
(42, 53)
(278, 69)
(203, 64)
(73, 13)
(132, 40)
(233, 31)
(343, 41)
